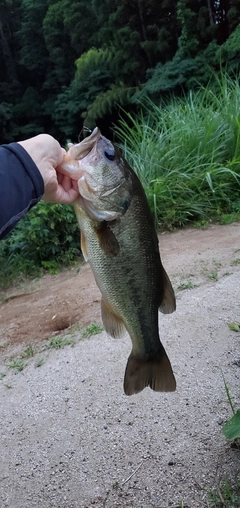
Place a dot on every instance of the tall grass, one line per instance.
(187, 153)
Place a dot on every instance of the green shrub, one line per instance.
(48, 236)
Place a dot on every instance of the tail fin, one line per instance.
(154, 371)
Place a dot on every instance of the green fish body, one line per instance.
(124, 256)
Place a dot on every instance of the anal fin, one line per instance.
(168, 303)
(113, 325)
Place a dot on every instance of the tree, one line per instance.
(144, 30)
(8, 27)
(33, 52)
(68, 62)
(61, 55)
(229, 52)
(233, 15)
(10, 87)
(94, 92)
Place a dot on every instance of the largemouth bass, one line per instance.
(119, 240)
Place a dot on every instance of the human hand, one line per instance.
(47, 154)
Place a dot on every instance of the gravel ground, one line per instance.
(70, 438)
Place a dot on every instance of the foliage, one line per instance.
(231, 428)
(187, 153)
(97, 89)
(106, 102)
(66, 62)
(45, 238)
(226, 495)
(229, 52)
(234, 326)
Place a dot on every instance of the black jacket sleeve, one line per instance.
(21, 185)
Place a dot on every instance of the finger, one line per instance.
(66, 183)
(75, 186)
(66, 197)
(59, 177)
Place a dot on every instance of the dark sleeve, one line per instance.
(21, 185)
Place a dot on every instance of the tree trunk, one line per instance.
(7, 56)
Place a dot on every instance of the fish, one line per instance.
(119, 240)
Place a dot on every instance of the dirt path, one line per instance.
(70, 438)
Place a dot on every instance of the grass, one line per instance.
(17, 363)
(213, 276)
(186, 285)
(225, 495)
(228, 218)
(187, 155)
(235, 262)
(53, 343)
(60, 342)
(211, 271)
(92, 329)
(28, 352)
(40, 362)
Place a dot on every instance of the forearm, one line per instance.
(21, 185)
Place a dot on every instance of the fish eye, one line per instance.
(110, 154)
(126, 204)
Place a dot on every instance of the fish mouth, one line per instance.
(85, 146)
(91, 191)
(71, 165)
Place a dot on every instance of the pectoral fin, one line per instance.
(168, 303)
(113, 324)
(84, 246)
(107, 240)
